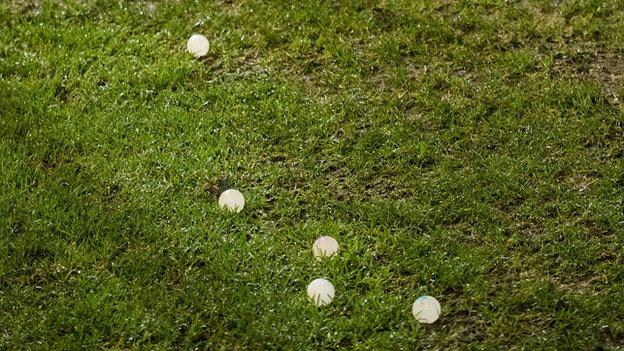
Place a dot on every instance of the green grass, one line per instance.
(468, 150)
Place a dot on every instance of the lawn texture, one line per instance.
(467, 150)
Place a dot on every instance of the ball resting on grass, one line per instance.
(232, 200)
(325, 246)
(198, 45)
(426, 309)
(321, 291)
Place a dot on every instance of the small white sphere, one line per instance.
(426, 309)
(321, 291)
(232, 200)
(198, 45)
(325, 246)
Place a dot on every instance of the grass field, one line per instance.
(468, 150)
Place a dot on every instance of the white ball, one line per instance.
(321, 291)
(198, 45)
(232, 200)
(324, 246)
(426, 309)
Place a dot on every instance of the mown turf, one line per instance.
(468, 150)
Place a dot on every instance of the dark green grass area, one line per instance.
(468, 150)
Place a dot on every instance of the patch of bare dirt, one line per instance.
(588, 62)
